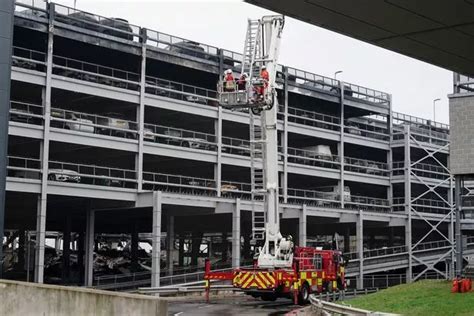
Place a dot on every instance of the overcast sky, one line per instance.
(222, 23)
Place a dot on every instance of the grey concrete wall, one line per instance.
(22, 298)
(461, 121)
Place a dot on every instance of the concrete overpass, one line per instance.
(435, 31)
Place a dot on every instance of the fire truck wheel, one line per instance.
(256, 111)
(269, 297)
(303, 295)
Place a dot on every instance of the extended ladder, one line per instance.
(252, 48)
(257, 175)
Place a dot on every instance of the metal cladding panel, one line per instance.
(461, 121)
(6, 37)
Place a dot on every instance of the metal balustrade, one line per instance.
(30, 168)
(235, 146)
(401, 118)
(180, 137)
(178, 184)
(312, 198)
(182, 46)
(329, 85)
(180, 91)
(91, 123)
(366, 130)
(422, 205)
(77, 69)
(403, 249)
(366, 166)
(114, 27)
(312, 158)
(463, 84)
(26, 113)
(28, 59)
(23, 167)
(314, 119)
(422, 135)
(421, 169)
(368, 204)
(91, 174)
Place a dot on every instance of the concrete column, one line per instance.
(89, 248)
(225, 247)
(181, 252)
(360, 248)
(66, 250)
(302, 227)
(236, 235)
(134, 247)
(347, 240)
(170, 244)
(156, 239)
(141, 114)
(80, 257)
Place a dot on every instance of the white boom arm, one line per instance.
(276, 251)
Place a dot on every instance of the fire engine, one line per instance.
(280, 269)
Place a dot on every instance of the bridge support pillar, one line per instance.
(89, 248)
(302, 227)
(236, 235)
(360, 249)
(134, 247)
(156, 239)
(170, 244)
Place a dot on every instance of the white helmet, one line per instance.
(245, 74)
(264, 67)
(228, 71)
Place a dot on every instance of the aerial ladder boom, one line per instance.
(261, 48)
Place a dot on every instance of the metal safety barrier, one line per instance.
(328, 308)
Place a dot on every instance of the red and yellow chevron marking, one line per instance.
(260, 280)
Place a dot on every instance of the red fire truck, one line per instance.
(313, 271)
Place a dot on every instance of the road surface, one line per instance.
(238, 305)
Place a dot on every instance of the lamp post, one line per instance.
(336, 73)
(434, 108)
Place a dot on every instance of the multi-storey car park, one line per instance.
(115, 133)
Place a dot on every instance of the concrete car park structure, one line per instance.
(119, 132)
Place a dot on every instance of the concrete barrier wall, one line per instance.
(22, 298)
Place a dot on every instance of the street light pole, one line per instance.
(336, 73)
(434, 108)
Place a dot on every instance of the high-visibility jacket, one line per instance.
(264, 75)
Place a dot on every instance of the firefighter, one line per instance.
(265, 77)
(242, 82)
(229, 84)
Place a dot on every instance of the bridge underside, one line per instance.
(437, 32)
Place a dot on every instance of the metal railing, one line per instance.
(366, 166)
(368, 204)
(178, 183)
(92, 123)
(463, 84)
(28, 59)
(401, 118)
(235, 146)
(89, 21)
(422, 205)
(26, 113)
(366, 130)
(31, 9)
(314, 119)
(421, 169)
(23, 167)
(180, 137)
(181, 46)
(91, 174)
(77, 69)
(180, 91)
(307, 157)
(326, 84)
